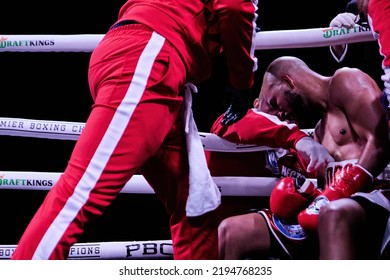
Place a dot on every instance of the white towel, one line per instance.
(204, 195)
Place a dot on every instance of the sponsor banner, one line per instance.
(41, 128)
(45, 181)
(228, 185)
(71, 131)
(118, 250)
(49, 43)
(312, 37)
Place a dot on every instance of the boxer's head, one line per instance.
(283, 92)
(279, 95)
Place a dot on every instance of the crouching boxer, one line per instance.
(353, 127)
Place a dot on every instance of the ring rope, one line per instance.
(71, 131)
(312, 37)
(116, 250)
(228, 185)
(281, 39)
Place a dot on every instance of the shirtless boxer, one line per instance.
(344, 223)
(352, 127)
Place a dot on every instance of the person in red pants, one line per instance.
(140, 77)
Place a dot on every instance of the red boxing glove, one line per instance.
(288, 197)
(348, 179)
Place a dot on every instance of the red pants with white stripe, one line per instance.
(379, 10)
(135, 77)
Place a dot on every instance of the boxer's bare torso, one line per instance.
(344, 129)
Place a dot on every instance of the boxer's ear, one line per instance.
(256, 103)
(288, 80)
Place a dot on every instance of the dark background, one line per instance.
(53, 86)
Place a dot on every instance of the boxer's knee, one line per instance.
(342, 213)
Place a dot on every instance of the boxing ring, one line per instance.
(60, 130)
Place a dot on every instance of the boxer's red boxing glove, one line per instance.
(288, 197)
(349, 179)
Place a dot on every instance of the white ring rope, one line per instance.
(228, 185)
(40, 128)
(71, 131)
(296, 38)
(311, 38)
(116, 250)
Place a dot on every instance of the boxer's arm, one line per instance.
(260, 129)
(358, 96)
(263, 129)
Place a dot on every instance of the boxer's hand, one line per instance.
(314, 153)
(238, 105)
(346, 20)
